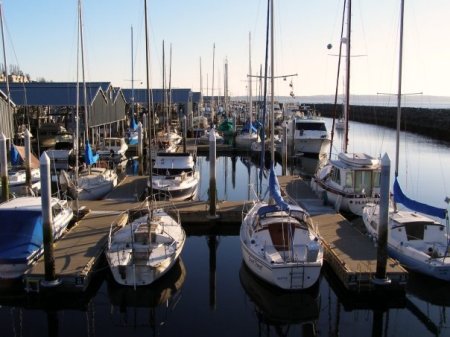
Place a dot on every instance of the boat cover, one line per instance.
(20, 234)
(417, 206)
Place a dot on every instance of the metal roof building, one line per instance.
(181, 97)
(106, 103)
(6, 116)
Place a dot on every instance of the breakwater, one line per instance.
(432, 123)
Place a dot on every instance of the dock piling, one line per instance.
(28, 159)
(4, 168)
(47, 225)
(380, 275)
(212, 173)
(141, 170)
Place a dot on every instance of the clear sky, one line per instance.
(41, 38)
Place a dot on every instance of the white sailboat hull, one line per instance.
(293, 269)
(140, 253)
(419, 243)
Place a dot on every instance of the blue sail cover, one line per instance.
(417, 206)
(89, 157)
(254, 127)
(14, 154)
(275, 193)
(20, 235)
(133, 125)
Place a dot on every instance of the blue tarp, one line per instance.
(417, 206)
(20, 235)
(15, 157)
(133, 125)
(89, 157)
(255, 126)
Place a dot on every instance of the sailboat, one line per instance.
(93, 182)
(415, 237)
(278, 241)
(352, 180)
(149, 245)
(132, 132)
(249, 134)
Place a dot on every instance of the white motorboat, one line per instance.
(175, 176)
(308, 135)
(112, 148)
(21, 234)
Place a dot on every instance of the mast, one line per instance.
(250, 102)
(347, 84)
(201, 88)
(86, 125)
(399, 93)
(272, 86)
(132, 75)
(149, 152)
(170, 83)
(77, 108)
(164, 89)
(4, 60)
(212, 86)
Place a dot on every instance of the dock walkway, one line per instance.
(350, 253)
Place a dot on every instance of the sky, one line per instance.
(41, 38)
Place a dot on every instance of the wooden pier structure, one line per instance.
(350, 254)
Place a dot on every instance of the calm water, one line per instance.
(210, 293)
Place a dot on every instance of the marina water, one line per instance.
(211, 293)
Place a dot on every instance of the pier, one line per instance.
(350, 254)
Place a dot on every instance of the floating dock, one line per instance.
(350, 253)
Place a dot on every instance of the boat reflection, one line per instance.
(146, 306)
(278, 311)
(306, 166)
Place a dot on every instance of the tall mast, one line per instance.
(132, 75)
(149, 152)
(250, 102)
(201, 89)
(164, 88)
(86, 112)
(399, 92)
(170, 83)
(347, 84)
(4, 60)
(212, 86)
(272, 86)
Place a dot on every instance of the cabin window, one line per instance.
(335, 175)
(415, 231)
(376, 179)
(348, 179)
(363, 182)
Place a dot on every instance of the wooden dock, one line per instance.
(78, 253)
(351, 254)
